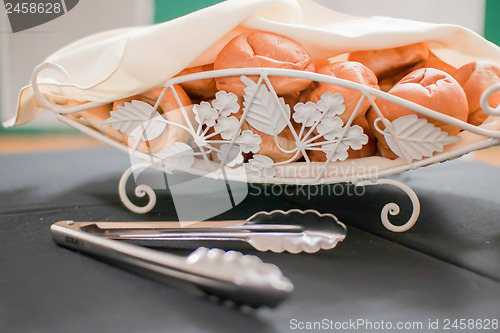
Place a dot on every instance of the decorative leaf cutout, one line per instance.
(135, 118)
(355, 138)
(330, 127)
(152, 129)
(264, 113)
(226, 103)
(205, 114)
(332, 104)
(260, 166)
(417, 137)
(234, 157)
(177, 156)
(249, 142)
(216, 116)
(306, 114)
(237, 161)
(227, 127)
(339, 154)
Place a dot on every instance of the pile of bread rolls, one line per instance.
(411, 72)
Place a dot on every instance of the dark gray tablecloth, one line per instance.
(446, 267)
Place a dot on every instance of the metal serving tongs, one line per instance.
(242, 279)
(293, 231)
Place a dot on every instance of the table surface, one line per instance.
(447, 266)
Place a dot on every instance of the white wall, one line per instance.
(467, 13)
(21, 52)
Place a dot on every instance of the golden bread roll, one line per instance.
(475, 77)
(171, 111)
(263, 49)
(370, 149)
(428, 87)
(435, 62)
(351, 71)
(304, 94)
(94, 116)
(388, 62)
(205, 88)
(97, 115)
(431, 62)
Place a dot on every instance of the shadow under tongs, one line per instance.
(203, 307)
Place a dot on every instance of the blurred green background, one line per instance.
(169, 9)
(492, 21)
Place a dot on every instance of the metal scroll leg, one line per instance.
(140, 190)
(392, 208)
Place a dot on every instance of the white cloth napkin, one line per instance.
(119, 63)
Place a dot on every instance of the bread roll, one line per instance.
(94, 116)
(475, 78)
(431, 62)
(351, 71)
(304, 94)
(370, 149)
(171, 111)
(97, 115)
(205, 88)
(428, 87)
(435, 62)
(388, 62)
(263, 49)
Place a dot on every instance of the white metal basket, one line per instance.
(269, 114)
